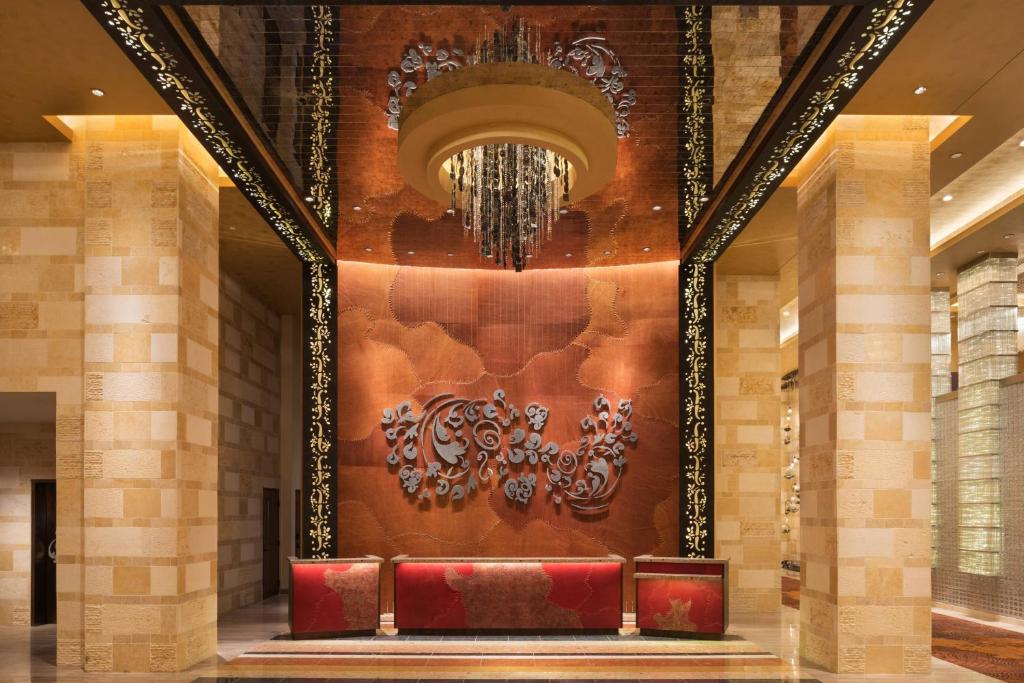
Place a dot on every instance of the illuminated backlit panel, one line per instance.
(941, 384)
(987, 331)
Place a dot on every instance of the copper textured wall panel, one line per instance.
(557, 337)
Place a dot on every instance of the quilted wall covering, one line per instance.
(559, 338)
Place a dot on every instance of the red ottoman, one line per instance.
(508, 594)
(334, 597)
(682, 596)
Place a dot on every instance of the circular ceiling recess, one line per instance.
(512, 102)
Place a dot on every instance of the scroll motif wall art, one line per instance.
(458, 444)
(589, 57)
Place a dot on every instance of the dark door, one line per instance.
(297, 541)
(271, 542)
(44, 552)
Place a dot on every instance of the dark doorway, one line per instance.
(44, 552)
(271, 542)
(297, 541)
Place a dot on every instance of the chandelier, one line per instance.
(508, 143)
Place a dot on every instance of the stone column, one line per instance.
(864, 399)
(150, 395)
(747, 439)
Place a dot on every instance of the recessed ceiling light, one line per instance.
(607, 252)
(450, 212)
(357, 208)
(703, 200)
(231, 227)
(980, 251)
(940, 274)
(563, 211)
(451, 253)
(656, 207)
(1008, 235)
(529, 256)
(1021, 143)
(956, 155)
(947, 197)
(568, 254)
(785, 314)
(647, 249)
(920, 90)
(411, 252)
(97, 92)
(367, 249)
(309, 199)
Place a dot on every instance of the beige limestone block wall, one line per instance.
(747, 50)
(747, 450)
(151, 347)
(864, 399)
(249, 442)
(27, 452)
(42, 192)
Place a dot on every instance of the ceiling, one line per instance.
(253, 254)
(60, 38)
(54, 54)
(969, 56)
(381, 219)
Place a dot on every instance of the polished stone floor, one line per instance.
(29, 655)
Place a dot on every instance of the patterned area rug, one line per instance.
(989, 650)
(992, 651)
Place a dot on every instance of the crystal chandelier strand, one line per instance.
(509, 196)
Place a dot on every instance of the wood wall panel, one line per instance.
(557, 337)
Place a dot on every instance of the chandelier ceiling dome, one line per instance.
(508, 142)
(511, 102)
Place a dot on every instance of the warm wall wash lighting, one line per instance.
(920, 90)
(508, 142)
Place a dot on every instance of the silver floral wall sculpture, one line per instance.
(456, 444)
(588, 57)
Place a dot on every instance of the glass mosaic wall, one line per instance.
(941, 385)
(986, 334)
(1003, 594)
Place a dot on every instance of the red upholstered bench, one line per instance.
(508, 594)
(682, 596)
(334, 597)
